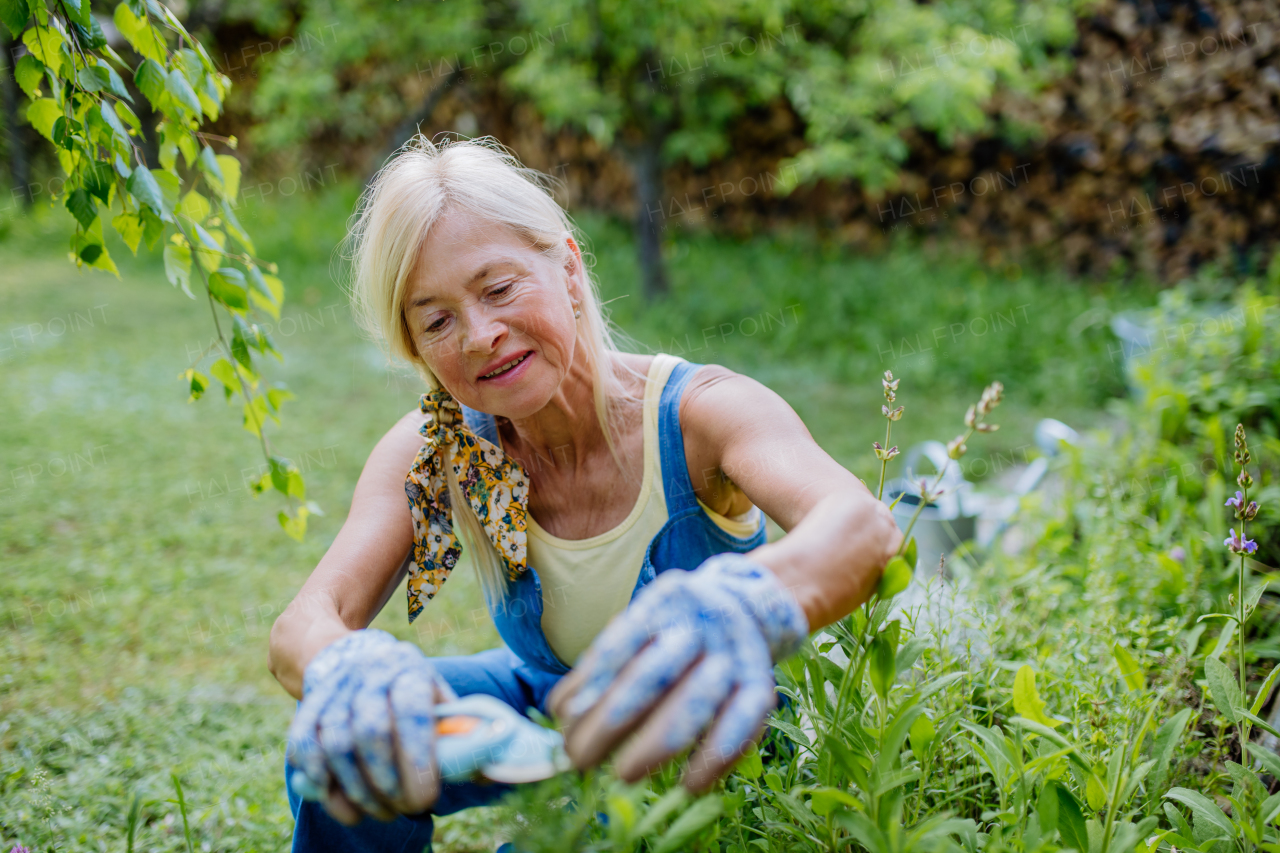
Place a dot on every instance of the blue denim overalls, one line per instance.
(524, 671)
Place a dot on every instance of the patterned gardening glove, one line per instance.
(693, 653)
(363, 739)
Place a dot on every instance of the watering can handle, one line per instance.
(936, 453)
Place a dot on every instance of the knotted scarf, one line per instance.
(494, 484)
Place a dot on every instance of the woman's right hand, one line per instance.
(363, 739)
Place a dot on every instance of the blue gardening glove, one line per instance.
(693, 654)
(363, 739)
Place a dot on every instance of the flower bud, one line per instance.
(1245, 479)
(1251, 511)
(956, 447)
(971, 416)
(987, 427)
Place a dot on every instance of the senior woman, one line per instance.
(613, 504)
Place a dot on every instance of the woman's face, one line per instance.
(479, 299)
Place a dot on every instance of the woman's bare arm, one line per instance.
(362, 567)
(839, 537)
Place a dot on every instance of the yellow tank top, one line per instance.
(586, 582)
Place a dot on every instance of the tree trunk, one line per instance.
(646, 167)
(19, 163)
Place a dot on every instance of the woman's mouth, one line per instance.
(508, 367)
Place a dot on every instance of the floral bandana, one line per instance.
(495, 485)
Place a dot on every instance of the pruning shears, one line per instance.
(481, 735)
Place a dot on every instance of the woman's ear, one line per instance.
(574, 268)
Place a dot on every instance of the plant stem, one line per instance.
(884, 463)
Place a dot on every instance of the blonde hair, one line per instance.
(421, 183)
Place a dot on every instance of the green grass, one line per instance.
(140, 579)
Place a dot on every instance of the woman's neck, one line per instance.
(566, 431)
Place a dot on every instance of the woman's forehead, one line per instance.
(462, 251)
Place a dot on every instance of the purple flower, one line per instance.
(18, 848)
(1177, 553)
(1238, 546)
(1237, 501)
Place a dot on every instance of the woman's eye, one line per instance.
(435, 325)
(501, 290)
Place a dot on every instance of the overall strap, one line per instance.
(676, 486)
(483, 425)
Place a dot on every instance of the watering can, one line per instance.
(944, 523)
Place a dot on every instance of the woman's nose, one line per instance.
(485, 333)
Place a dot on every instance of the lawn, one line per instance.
(141, 577)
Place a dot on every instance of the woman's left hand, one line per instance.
(694, 653)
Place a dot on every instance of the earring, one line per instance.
(577, 312)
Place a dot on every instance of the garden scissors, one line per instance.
(481, 735)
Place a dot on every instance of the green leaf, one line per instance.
(99, 178)
(883, 659)
(15, 14)
(93, 78)
(240, 348)
(1027, 701)
(210, 97)
(150, 79)
(42, 114)
(225, 372)
(1268, 759)
(1259, 722)
(129, 227)
(176, 85)
(81, 205)
(296, 528)
(153, 227)
(1166, 741)
(177, 267)
(1264, 692)
(170, 187)
(194, 206)
(199, 383)
(922, 734)
(279, 470)
(1095, 792)
(64, 132)
(143, 36)
(142, 185)
(227, 286)
(1071, 822)
(29, 72)
(895, 578)
(1047, 807)
(910, 554)
(127, 116)
(90, 253)
(1206, 811)
(695, 819)
(46, 44)
(77, 10)
(276, 398)
(1129, 669)
(750, 764)
(230, 175)
(671, 802)
(1223, 688)
(824, 801)
(115, 84)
